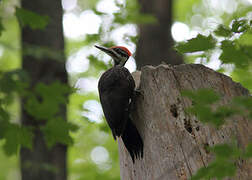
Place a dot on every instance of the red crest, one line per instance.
(123, 48)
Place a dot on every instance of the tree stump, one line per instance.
(174, 141)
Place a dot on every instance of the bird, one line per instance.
(116, 88)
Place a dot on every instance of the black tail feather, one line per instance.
(133, 141)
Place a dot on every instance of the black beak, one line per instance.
(104, 49)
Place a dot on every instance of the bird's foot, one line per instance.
(138, 92)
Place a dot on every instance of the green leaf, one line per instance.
(221, 113)
(219, 170)
(141, 19)
(11, 140)
(26, 137)
(57, 131)
(31, 19)
(201, 107)
(202, 96)
(243, 76)
(223, 31)
(4, 116)
(99, 13)
(56, 91)
(243, 105)
(200, 43)
(239, 26)
(223, 165)
(104, 127)
(42, 52)
(245, 38)
(16, 136)
(4, 121)
(13, 81)
(203, 112)
(225, 151)
(90, 38)
(233, 54)
(45, 102)
(131, 14)
(94, 61)
(1, 26)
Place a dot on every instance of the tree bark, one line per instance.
(42, 163)
(174, 141)
(155, 44)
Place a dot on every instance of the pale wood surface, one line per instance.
(175, 142)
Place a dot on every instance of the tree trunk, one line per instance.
(155, 44)
(42, 163)
(174, 141)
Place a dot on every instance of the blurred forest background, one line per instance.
(92, 152)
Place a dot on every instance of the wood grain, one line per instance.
(175, 142)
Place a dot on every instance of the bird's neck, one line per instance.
(120, 63)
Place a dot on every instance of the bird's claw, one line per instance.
(138, 92)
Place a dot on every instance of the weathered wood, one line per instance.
(175, 142)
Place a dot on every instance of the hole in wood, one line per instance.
(188, 126)
(173, 110)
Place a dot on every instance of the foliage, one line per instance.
(131, 14)
(31, 19)
(200, 43)
(57, 130)
(45, 101)
(224, 164)
(42, 101)
(205, 107)
(235, 45)
(14, 135)
(94, 61)
(14, 83)
(1, 26)
(42, 52)
(183, 9)
(204, 101)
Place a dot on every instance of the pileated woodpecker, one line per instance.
(116, 90)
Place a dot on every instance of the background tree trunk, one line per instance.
(42, 163)
(175, 142)
(155, 44)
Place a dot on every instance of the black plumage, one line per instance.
(116, 90)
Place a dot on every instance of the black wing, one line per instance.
(132, 140)
(116, 87)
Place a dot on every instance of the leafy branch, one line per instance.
(233, 41)
(43, 103)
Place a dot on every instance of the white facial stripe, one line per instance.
(122, 52)
(120, 59)
(123, 61)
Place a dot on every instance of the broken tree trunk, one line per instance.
(174, 141)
